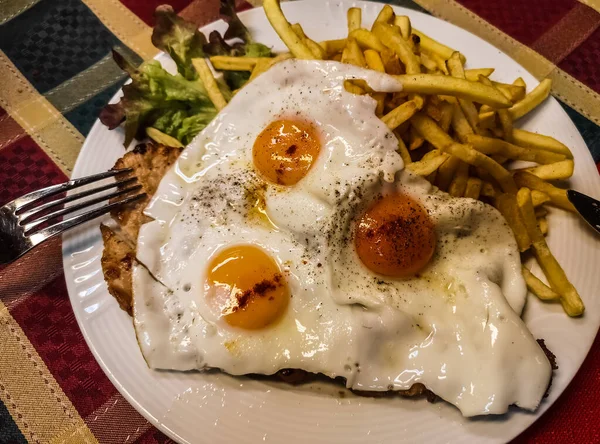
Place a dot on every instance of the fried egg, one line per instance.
(289, 235)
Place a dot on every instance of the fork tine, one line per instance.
(60, 227)
(34, 196)
(31, 226)
(28, 215)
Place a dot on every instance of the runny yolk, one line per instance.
(245, 283)
(395, 237)
(285, 150)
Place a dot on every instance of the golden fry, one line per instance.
(403, 22)
(531, 100)
(513, 92)
(229, 63)
(446, 172)
(456, 70)
(403, 151)
(473, 188)
(553, 171)
(460, 124)
(507, 205)
(556, 276)
(160, 137)
(447, 110)
(428, 164)
(354, 19)
(373, 60)
(432, 45)
(285, 31)
(539, 198)
(527, 139)
(557, 196)
(207, 78)
(491, 146)
(390, 36)
(459, 182)
(367, 40)
(432, 84)
(472, 75)
(401, 114)
(333, 47)
(386, 15)
(543, 224)
(537, 287)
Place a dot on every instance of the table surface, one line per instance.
(57, 74)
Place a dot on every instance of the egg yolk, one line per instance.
(285, 150)
(395, 237)
(245, 283)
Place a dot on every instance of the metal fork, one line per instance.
(29, 220)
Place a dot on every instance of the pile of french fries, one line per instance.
(455, 126)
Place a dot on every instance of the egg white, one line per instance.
(455, 327)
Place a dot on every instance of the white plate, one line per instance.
(196, 407)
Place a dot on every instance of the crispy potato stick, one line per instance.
(260, 67)
(401, 114)
(531, 100)
(317, 50)
(428, 63)
(472, 75)
(403, 22)
(460, 124)
(433, 111)
(438, 138)
(431, 45)
(513, 92)
(490, 146)
(160, 137)
(447, 110)
(354, 54)
(540, 212)
(553, 171)
(519, 82)
(473, 189)
(537, 287)
(557, 196)
(391, 62)
(373, 60)
(487, 120)
(229, 63)
(439, 61)
(503, 114)
(390, 36)
(507, 205)
(459, 182)
(539, 141)
(488, 190)
(429, 163)
(569, 297)
(354, 19)
(333, 46)
(207, 78)
(366, 39)
(543, 224)
(386, 15)
(403, 151)
(415, 139)
(285, 31)
(456, 70)
(446, 172)
(539, 198)
(451, 86)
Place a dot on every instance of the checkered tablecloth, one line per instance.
(56, 73)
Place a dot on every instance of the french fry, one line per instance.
(531, 100)
(354, 19)
(403, 151)
(487, 119)
(391, 62)
(451, 86)
(386, 15)
(352, 88)
(439, 61)
(460, 124)
(513, 92)
(283, 28)
(527, 139)
(229, 63)
(472, 75)
(428, 164)
(415, 139)
(432, 45)
(540, 212)
(160, 137)
(473, 189)
(260, 67)
(558, 196)
(317, 50)
(433, 111)
(503, 114)
(438, 138)
(543, 224)
(569, 298)
(333, 47)
(354, 54)
(401, 114)
(519, 82)
(428, 62)
(373, 60)
(366, 39)
(488, 190)
(539, 198)
(491, 146)
(537, 287)
(456, 70)
(207, 78)
(446, 172)
(553, 171)
(390, 36)
(459, 182)
(403, 22)
(507, 205)
(447, 110)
